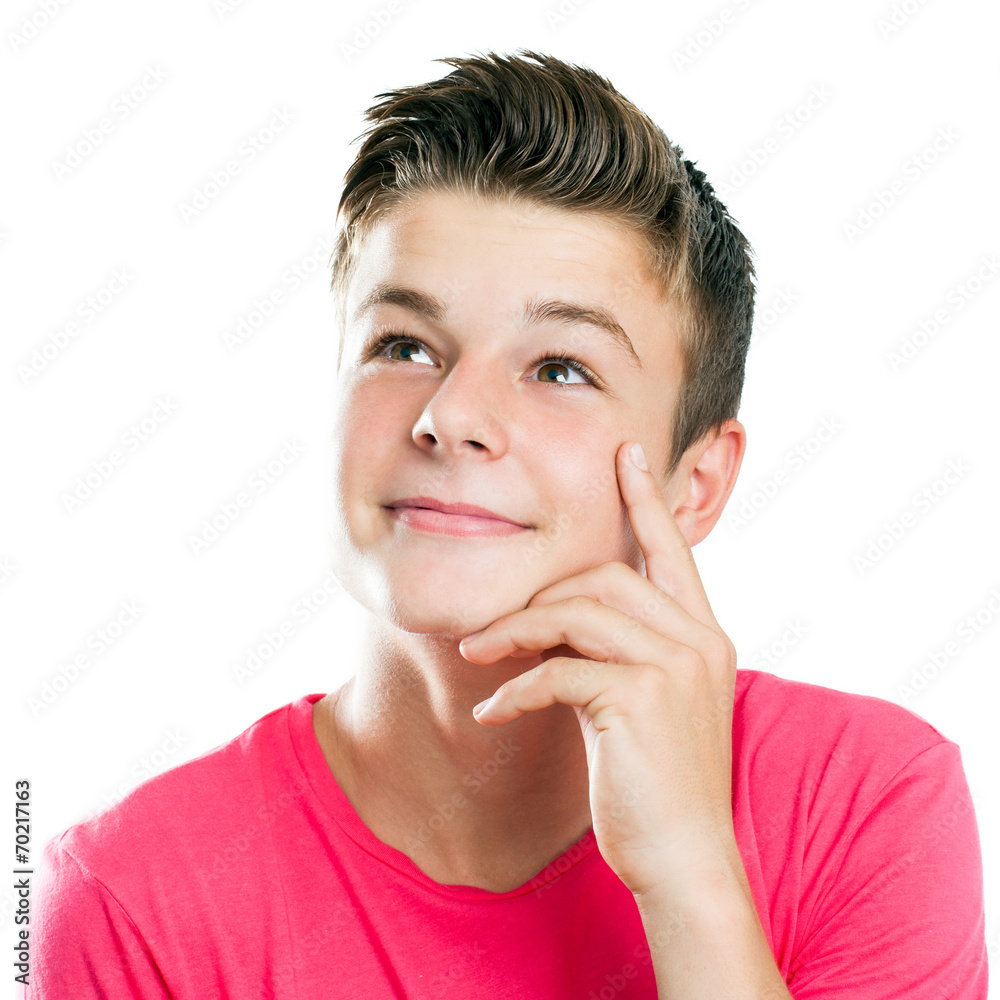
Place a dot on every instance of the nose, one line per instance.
(464, 415)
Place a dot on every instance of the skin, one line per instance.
(470, 419)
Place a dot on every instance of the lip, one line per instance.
(429, 514)
(468, 509)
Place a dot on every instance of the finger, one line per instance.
(670, 563)
(593, 629)
(619, 586)
(585, 684)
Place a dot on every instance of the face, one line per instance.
(465, 403)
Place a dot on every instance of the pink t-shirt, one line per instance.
(246, 873)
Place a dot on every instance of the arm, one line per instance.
(708, 943)
(83, 944)
(903, 917)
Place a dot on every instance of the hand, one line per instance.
(654, 698)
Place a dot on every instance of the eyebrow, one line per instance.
(532, 311)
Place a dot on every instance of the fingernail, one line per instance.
(638, 457)
(471, 636)
(480, 706)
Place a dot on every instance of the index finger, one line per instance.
(670, 563)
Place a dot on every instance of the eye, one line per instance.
(408, 348)
(403, 348)
(548, 369)
(407, 351)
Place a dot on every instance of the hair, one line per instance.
(531, 129)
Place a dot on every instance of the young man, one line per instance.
(531, 280)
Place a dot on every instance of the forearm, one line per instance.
(709, 945)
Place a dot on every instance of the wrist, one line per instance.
(699, 886)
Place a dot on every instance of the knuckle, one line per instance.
(648, 679)
(721, 649)
(618, 569)
(692, 662)
(545, 669)
(731, 655)
(609, 575)
(583, 602)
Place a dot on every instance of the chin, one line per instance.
(436, 598)
(452, 608)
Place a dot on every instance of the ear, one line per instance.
(699, 489)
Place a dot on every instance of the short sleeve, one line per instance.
(83, 944)
(903, 916)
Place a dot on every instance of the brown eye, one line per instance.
(554, 369)
(559, 370)
(554, 372)
(400, 349)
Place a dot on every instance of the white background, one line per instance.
(166, 690)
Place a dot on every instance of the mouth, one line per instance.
(463, 519)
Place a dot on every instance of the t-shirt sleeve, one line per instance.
(903, 916)
(83, 944)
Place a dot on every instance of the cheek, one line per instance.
(576, 458)
(364, 421)
(586, 516)
(360, 438)
(358, 401)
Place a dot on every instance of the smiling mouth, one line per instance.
(427, 519)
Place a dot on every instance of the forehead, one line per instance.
(455, 240)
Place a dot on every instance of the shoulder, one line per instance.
(766, 703)
(122, 886)
(858, 825)
(183, 819)
(815, 744)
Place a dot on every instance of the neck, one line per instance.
(462, 800)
